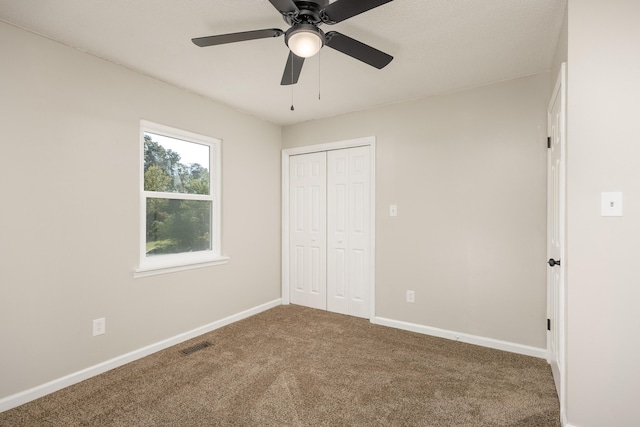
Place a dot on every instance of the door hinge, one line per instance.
(548, 324)
(548, 142)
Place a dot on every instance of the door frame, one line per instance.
(369, 141)
(559, 94)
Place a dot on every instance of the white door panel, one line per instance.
(308, 230)
(337, 223)
(330, 230)
(555, 234)
(348, 225)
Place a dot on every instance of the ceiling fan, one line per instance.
(304, 37)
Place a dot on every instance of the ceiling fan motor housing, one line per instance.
(308, 12)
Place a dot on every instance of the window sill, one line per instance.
(154, 271)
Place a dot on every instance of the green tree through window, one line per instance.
(176, 223)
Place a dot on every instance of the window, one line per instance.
(180, 200)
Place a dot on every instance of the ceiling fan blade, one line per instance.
(237, 37)
(357, 50)
(292, 69)
(285, 6)
(345, 9)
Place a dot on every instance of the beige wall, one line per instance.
(561, 53)
(468, 173)
(602, 253)
(69, 220)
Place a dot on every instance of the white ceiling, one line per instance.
(438, 46)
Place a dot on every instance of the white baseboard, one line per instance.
(21, 398)
(466, 338)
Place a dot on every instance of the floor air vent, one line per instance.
(190, 350)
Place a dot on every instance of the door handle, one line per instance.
(552, 262)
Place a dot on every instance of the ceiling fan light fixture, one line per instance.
(304, 40)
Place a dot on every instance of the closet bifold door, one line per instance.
(348, 231)
(308, 230)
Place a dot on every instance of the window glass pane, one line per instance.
(177, 226)
(175, 166)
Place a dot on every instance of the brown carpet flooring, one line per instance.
(295, 366)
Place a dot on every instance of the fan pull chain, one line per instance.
(292, 109)
(319, 68)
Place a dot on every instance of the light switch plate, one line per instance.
(393, 210)
(611, 204)
(99, 326)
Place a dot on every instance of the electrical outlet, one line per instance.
(411, 296)
(611, 204)
(99, 327)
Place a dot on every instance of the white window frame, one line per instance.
(168, 263)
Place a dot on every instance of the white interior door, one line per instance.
(329, 243)
(555, 234)
(308, 230)
(348, 231)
